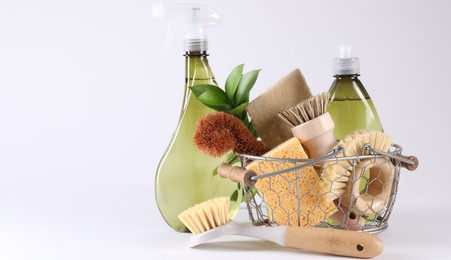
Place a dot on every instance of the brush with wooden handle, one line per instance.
(337, 176)
(312, 124)
(314, 127)
(209, 220)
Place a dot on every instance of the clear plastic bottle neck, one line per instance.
(195, 44)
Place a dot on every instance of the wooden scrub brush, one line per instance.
(217, 133)
(313, 126)
(209, 220)
(343, 179)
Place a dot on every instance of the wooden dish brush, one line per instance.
(209, 220)
(313, 126)
(344, 178)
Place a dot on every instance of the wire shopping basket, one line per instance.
(336, 191)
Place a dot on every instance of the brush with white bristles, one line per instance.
(312, 124)
(209, 220)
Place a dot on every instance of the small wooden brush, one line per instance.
(306, 110)
(337, 175)
(209, 220)
(312, 124)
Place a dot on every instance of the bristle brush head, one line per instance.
(206, 215)
(306, 110)
(217, 133)
(337, 173)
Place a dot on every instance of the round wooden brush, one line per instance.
(209, 220)
(336, 179)
(312, 124)
(217, 133)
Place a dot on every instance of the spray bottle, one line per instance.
(185, 176)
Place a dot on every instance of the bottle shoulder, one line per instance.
(347, 88)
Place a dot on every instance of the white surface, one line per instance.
(88, 104)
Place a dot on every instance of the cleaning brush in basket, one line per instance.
(209, 220)
(313, 126)
(345, 178)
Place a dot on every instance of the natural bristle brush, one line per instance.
(218, 133)
(209, 220)
(338, 175)
(366, 184)
(313, 126)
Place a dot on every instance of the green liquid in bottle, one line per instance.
(185, 175)
(351, 107)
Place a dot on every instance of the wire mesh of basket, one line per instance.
(359, 195)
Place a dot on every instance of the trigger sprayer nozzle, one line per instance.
(191, 19)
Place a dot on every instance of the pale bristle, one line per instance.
(206, 215)
(306, 110)
(337, 174)
(334, 179)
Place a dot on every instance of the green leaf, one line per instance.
(233, 80)
(231, 158)
(212, 96)
(234, 196)
(244, 87)
(200, 89)
(215, 172)
(239, 111)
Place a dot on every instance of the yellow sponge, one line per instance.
(282, 193)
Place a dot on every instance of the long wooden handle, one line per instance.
(334, 241)
(237, 174)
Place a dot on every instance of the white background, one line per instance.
(88, 104)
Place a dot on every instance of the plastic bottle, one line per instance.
(185, 175)
(350, 105)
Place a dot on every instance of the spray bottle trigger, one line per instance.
(169, 36)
